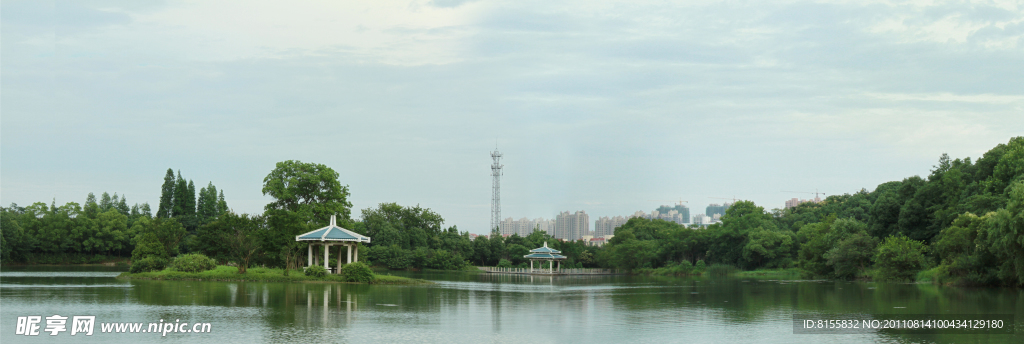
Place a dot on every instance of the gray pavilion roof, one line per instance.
(544, 252)
(545, 249)
(333, 233)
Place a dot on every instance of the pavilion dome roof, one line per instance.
(544, 252)
(332, 233)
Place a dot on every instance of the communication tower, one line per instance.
(496, 191)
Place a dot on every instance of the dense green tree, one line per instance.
(311, 190)
(1003, 233)
(899, 258)
(241, 235)
(166, 206)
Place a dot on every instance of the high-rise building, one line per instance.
(701, 220)
(606, 226)
(713, 209)
(684, 213)
(793, 203)
(571, 226)
(525, 226)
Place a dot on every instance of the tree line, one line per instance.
(962, 224)
(102, 229)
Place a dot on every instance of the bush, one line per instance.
(444, 260)
(148, 264)
(316, 271)
(899, 258)
(699, 267)
(504, 263)
(193, 262)
(357, 272)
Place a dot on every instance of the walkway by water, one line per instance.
(546, 272)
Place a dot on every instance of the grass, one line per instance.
(230, 273)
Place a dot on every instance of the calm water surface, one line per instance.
(475, 308)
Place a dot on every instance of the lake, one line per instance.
(474, 308)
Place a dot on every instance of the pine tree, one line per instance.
(180, 197)
(122, 206)
(166, 195)
(222, 205)
(105, 202)
(91, 209)
(190, 202)
(145, 211)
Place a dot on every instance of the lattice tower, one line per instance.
(496, 189)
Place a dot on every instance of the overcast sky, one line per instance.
(607, 107)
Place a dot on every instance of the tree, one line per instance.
(899, 258)
(242, 238)
(309, 189)
(1004, 235)
(166, 196)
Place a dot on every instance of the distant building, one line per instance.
(606, 226)
(571, 226)
(793, 203)
(714, 208)
(524, 226)
(683, 212)
(701, 220)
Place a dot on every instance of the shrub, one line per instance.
(193, 262)
(316, 271)
(357, 272)
(899, 258)
(504, 263)
(148, 246)
(148, 264)
(699, 267)
(444, 260)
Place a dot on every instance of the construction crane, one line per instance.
(815, 193)
(680, 201)
(733, 198)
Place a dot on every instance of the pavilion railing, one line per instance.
(545, 270)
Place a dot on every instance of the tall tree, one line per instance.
(222, 205)
(105, 202)
(180, 197)
(310, 189)
(166, 196)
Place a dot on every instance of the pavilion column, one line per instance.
(327, 253)
(349, 252)
(339, 259)
(357, 253)
(531, 265)
(559, 266)
(310, 247)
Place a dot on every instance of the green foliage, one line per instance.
(899, 258)
(308, 189)
(193, 262)
(444, 260)
(721, 269)
(316, 271)
(357, 272)
(393, 257)
(152, 263)
(1003, 234)
(148, 245)
(699, 267)
(504, 263)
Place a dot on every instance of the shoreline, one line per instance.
(225, 273)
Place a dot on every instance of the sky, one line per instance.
(606, 107)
